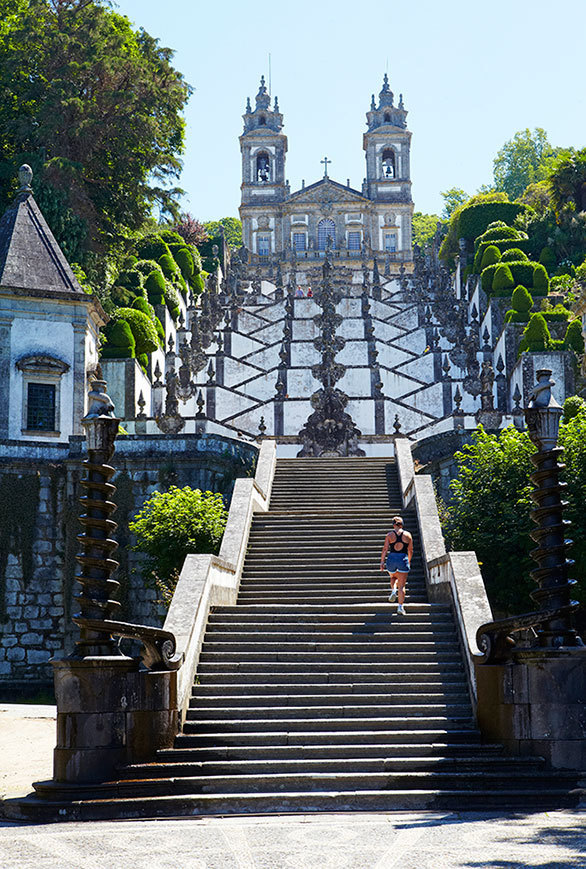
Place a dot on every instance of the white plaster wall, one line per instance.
(295, 414)
(353, 353)
(353, 329)
(269, 334)
(301, 383)
(49, 337)
(303, 354)
(262, 387)
(388, 332)
(265, 359)
(420, 368)
(390, 357)
(406, 319)
(409, 418)
(396, 386)
(235, 372)
(349, 308)
(362, 412)
(414, 341)
(356, 381)
(304, 330)
(243, 346)
(228, 404)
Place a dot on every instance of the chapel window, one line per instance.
(299, 241)
(263, 245)
(263, 167)
(262, 121)
(326, 228)
(388, 163)
(40, 408)
(354, 240)
(387, 118)
(390, 242)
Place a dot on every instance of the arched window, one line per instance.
(263, 166)
(326, 228)
(387, 118)
(388, 163)
(262, 121)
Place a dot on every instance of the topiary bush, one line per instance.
(151, 247)
(557, 314)
(171, 237)
(540, 279)
(197, 283)
(522, 300)
(173, 524)
(122, 297)
(184, 260)
(547, 258)
(503, 278)
(120, 341)
(475, 219)
(172, 300)
(143, 361)
(574, 339)
(146, 266)
(517, 317)
(514, 255)
(143, 329)
(491, 256)
(536, 337)
(132, 280)
(573, 405)
(155, 286)
(498, 229)
(168, 265)
(522, 273)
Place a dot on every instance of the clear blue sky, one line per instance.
(472, 74)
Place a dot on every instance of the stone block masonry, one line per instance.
(39, 525)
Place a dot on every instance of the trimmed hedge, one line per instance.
(152, 247)
(122, 296)
(121, 343)
(547, 258)
(197, 284)
(155, 286)
(168, 265)
(146, 266)
(557, 314)
(172, 300)
(502, 244)
(475, 219)
(574, 340)
(517, 317)
(171, 237)
(522, 300)
(184, 260)
(536, 337)
(490, 257)
(514, 255)
(522, 273)
(540, 278)
(142, 305)
(131, 279)
(503, 278)
(142, 328)
(498, 230)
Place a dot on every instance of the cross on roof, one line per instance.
(325, 161)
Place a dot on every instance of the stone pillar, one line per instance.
(79, 374)
(5, 327)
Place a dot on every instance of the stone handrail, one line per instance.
(212, 580)
(451, 577)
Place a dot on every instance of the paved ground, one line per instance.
(343, 841)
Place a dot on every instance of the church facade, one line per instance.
(280, 224)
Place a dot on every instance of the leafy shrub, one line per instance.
(517, 317)
(522, 299)
(184, 260)
(557, 314)
(491, 256)
(522, 273)
(474, 220)
(146, 266)
(561, 284)
(514, 255)
(540, 279)
(122, 297)
(142, 327)
(574, 340)
(573, 405)
(132, 280)
(547, 258)
(580, 272)
(143, 361)
(152, 247)
(168, 265)
(172, 524)
(503, 279)
(498, 229)
(155, 285)
(197, 284)
(536, 337)
(171, 237)
(121, 343)
(172, 300)
(141, 304)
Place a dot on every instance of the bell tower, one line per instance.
(387, 143)
(263, 147)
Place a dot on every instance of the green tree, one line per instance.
(173, 524)
(231, 226)
(424, 228)
(95, 107)
(567, 180)
(523, 160)
(453, 198)
(490, 508)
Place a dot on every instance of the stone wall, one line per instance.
(39, 526)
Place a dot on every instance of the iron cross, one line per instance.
(325, 161)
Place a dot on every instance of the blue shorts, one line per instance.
(398, 562)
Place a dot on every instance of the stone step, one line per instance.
(389, 698)
(351, 598)
(359, 647)
(330, 629)
(318, 675)
(331, 611)
(327, 622)
(474, 764)
(325, 739)
(312, 724)
(356, 691)
(216, 636)
(327, 711)
(439, 750)
(482, 799)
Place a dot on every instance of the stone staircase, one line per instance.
(312, 694)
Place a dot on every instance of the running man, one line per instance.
(396, 558)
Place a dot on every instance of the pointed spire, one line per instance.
(276, 106)
(248, 106)
(401, 103)
(372, 104)
(386, 94)
(386, 87)
(263, 100)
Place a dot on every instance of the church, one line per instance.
(280, 224)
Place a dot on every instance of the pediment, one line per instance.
(328, 191)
